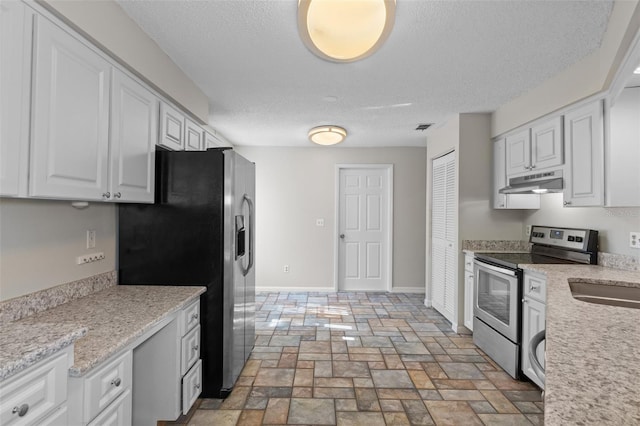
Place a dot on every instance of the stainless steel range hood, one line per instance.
(537, 183)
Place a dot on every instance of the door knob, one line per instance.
(342, 236)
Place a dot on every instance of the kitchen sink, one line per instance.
(605, 293)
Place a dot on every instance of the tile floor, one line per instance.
(366, 359)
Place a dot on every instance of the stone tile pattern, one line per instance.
(592, 352)
(30, 304)
(619, 261)
(496, 245)
(366, 359)
(112, 318)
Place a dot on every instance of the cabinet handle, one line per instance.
(193, 317)
(21, 410)
(533, 287)
(116, 382)
(502, 205)
(196, 386)
(195, 348)
(525, 301)
(117, 195)
(566, 203)
(106, 195)
(533, 166)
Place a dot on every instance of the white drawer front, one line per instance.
(24, 400)
(190, 317)
(190, 349)
(468, 262)
(535, 287)
(58, 417)
(191, 386)
(106, 384)
(117, 414)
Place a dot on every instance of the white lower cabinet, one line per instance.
(533, 321)
(191, 386)
(99, 390)
(117, 414)
(37, 394)
(469, 281)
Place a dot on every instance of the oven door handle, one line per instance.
(496, 269)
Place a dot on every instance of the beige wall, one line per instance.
(296, 186)
(107, 24)
(40, 240)
(587, 77)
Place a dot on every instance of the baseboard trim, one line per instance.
(407, 290)
(297, 289)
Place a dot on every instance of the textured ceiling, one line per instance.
(443, 57)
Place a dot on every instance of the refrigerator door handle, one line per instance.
(251, 223)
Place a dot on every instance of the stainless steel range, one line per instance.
(498, 288)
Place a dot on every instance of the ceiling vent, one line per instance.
(423, 127)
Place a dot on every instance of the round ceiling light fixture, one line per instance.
(327, 135)
(345, 30)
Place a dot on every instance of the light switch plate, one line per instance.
(319, 222)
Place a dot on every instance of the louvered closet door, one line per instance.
(443, 230)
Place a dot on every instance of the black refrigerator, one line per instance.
(200, 231)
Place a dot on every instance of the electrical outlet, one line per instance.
(88, 258)
(91, 238)
(285, 269)
(319, 222)
(527, 230)
(634, 240)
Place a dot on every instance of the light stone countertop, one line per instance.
(103, 323)
(592, 352)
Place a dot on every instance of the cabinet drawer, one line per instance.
(106, 384)
(190, 317)
(58, 417)
(191, 386)
(35, 393)
(190, 349)
(535, 287)
(117, 414)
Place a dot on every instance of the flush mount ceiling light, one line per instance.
(327, 135)
(345, 30)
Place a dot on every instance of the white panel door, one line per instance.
(172, 131)
(363, 226)
(134, 133)
(443, 236)
(193, 136)
(584, 180)
(518, 152)
(546, 144)
(70, 145)
(15, 81)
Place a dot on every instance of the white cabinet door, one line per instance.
(533, 321)
(193, 136)
(70, 145)
(584, 178)
(133, 136)
(210, 141)
(15, 81)
(172, 132)
(622, 172)
(518, 152)
(511, 201)
(546, 144)
(468, 299)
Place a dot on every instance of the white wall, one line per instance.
(586, 77)
(40, 240)
(613, 224)
(296, 186)
(107, 24)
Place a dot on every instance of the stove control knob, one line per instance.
(579, 239)
(571, 238)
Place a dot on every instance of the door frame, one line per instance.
(389, 223)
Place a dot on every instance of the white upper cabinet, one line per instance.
(15, 64)
(623, 151)
(546, 144)
(134, 132)
(584, 140)
(210, 141)
(172, 133)
(518, 152)
(70, 145)
(193, 136)
(510, 201)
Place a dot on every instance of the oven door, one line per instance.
(496, 298)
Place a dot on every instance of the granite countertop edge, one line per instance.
(96, 337)
(592, 351)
